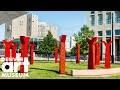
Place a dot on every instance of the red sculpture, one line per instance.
(107, 54)
(91, 55)
(7, 48)
(31, 53)
(56, 53)
(24, 50)
(21, 68)
(97, 54)
(62, 54)
(14, 51)
(77, 53)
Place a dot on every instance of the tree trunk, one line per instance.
(48, 56)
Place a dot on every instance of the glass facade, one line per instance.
(99, 33)
(100, 19)
(100, 12)
(32, 41)
(92, 20)
(92, 12)
(117, 17)
(117, 32)
(108, 32)
(108, 18)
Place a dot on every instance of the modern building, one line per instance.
(28, 25)
(32, 25)
(101, 23)
(67, 45)
(72, 42)
(16, 27)
(43, 28)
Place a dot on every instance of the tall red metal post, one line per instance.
(91, 55)
(97, 54)
(62, 54)
(31, 53)
(77, 53)
(107, 54)
(7, 48)
(14, 51)
(24, 50)
(56, 53)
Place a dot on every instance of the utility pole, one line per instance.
(112, 40)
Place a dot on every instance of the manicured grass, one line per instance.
(50, 70)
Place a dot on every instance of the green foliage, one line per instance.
(99, 41)
(81, 38)
(43, 69)
(73, 51)
(47, 47)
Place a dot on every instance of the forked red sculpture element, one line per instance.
(7, 48)
(77, 53)
(62, 54)
(107, 54)
(14, 51)
(97, 54)
(56, 53)
(31, 53)
(24, 50)
(91, 55)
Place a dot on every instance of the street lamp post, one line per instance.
(112, 41)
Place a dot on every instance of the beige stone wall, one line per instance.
(45, 27)
(17, 28)
(34, 25)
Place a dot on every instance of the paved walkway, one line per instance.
(96, 72)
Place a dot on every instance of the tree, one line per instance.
(47, 47)
(73, 51)
(81, 39)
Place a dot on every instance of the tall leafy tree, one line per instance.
(81, 38)
(73, 51)
(47, 47)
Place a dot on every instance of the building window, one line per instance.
(92, 20)
(20, 22)
(108, 18)
(99, 12)
(99, 33)
(92, 12)
(108, 32)
(117, 32)
(100, 19)
(117, 16)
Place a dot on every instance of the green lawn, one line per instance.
(49, 70)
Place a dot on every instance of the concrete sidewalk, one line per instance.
(96, 72)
